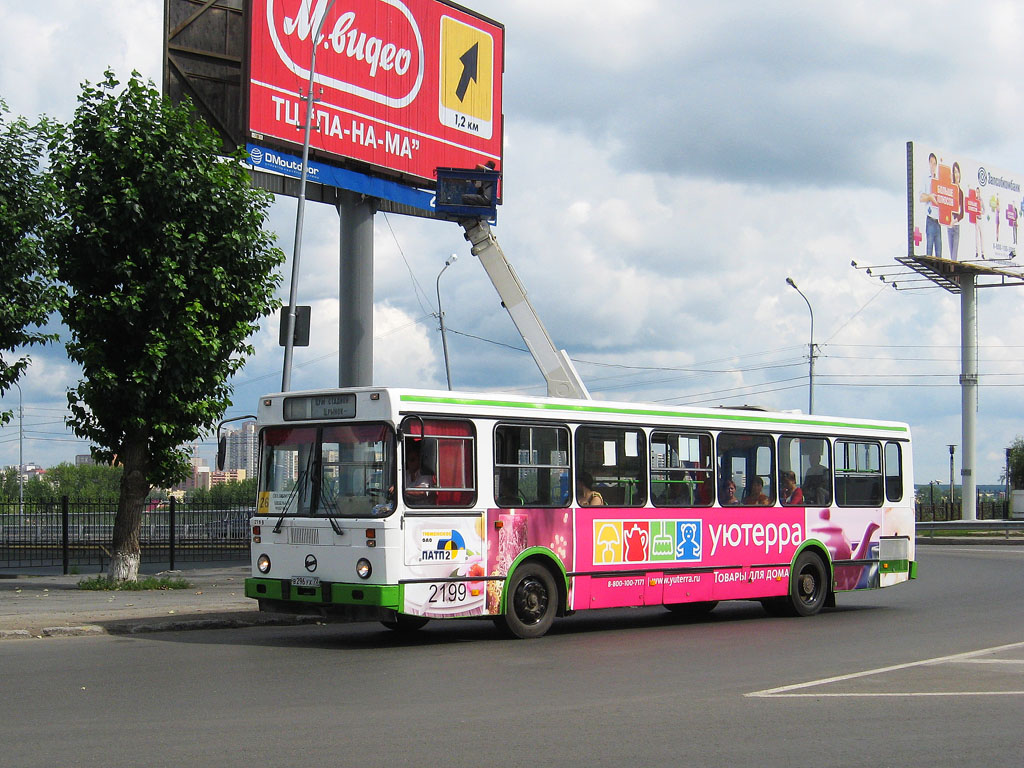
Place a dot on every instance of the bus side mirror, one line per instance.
(222, 440)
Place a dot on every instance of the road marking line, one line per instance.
(957, 657)
(880, 695)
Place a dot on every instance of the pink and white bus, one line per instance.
(402, 506)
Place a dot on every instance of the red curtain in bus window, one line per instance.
(454, 461)
(357, 433)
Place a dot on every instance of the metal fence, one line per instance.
(987, 510)
(69, 534)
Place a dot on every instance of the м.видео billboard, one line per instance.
(405, 86)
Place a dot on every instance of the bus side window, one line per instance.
(531, 465)
(893, 472)
(808, 459)
(615, 457)
(748, 461)
(440, 455)
(681, 472)
(858, 474)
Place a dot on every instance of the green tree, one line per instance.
(235, 493)
(95, 482)
(161, 247)
(9, 484)
(1017, 464)
(25, 204)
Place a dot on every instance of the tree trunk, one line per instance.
(125, 551)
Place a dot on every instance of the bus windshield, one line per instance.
(334, 471)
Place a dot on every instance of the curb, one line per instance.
(87, 629)
(148, 626)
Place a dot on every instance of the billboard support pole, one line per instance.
(968, 392)
(355, 313)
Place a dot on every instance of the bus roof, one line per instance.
(499, 404)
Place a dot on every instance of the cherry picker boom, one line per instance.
(555, 365)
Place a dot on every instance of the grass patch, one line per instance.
(102, 583)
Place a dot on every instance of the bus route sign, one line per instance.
(401, 86)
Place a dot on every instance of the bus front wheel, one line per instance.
(531, 602)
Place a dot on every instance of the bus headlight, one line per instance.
(263, 563)
(363, 568)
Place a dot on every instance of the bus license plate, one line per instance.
(305, 581)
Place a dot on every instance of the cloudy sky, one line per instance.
(667, 165)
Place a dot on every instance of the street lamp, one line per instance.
(810, 373)
(289, 343)
(440, 316)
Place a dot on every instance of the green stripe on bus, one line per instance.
(379, 595)
(807, 422)
(894, 566)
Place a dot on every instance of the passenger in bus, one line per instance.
(817, 485)
(585, 494)
(789, 493)
(756, 497)
(415, 476)
(727, 494)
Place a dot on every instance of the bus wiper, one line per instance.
(295, 490)
(328, 504)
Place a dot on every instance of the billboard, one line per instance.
(959, 209)
(401, 86)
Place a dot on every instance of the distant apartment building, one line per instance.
(242, 449)
(200, 475)
(227, 476)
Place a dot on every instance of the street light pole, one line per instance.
(21, 451)
(440, 316)
(289, 343)
(952, 450)
(810, 373)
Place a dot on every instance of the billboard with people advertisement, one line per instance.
(401, 86)
(960, 209)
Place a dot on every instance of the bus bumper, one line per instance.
(342, 602)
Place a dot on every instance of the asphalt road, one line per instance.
(928, 673)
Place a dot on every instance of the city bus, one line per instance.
(404, 505)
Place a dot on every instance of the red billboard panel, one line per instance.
(405, 86)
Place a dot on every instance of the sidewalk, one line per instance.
(54, 606)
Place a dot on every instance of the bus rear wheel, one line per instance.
(531, 602)
(808, 588)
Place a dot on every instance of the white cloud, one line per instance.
(667, 166)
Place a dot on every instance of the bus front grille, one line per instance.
(304, 536)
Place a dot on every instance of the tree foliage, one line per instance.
(232, 494)
(25, 206)
(1017, 464)
(86, 482)
(161, 247)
